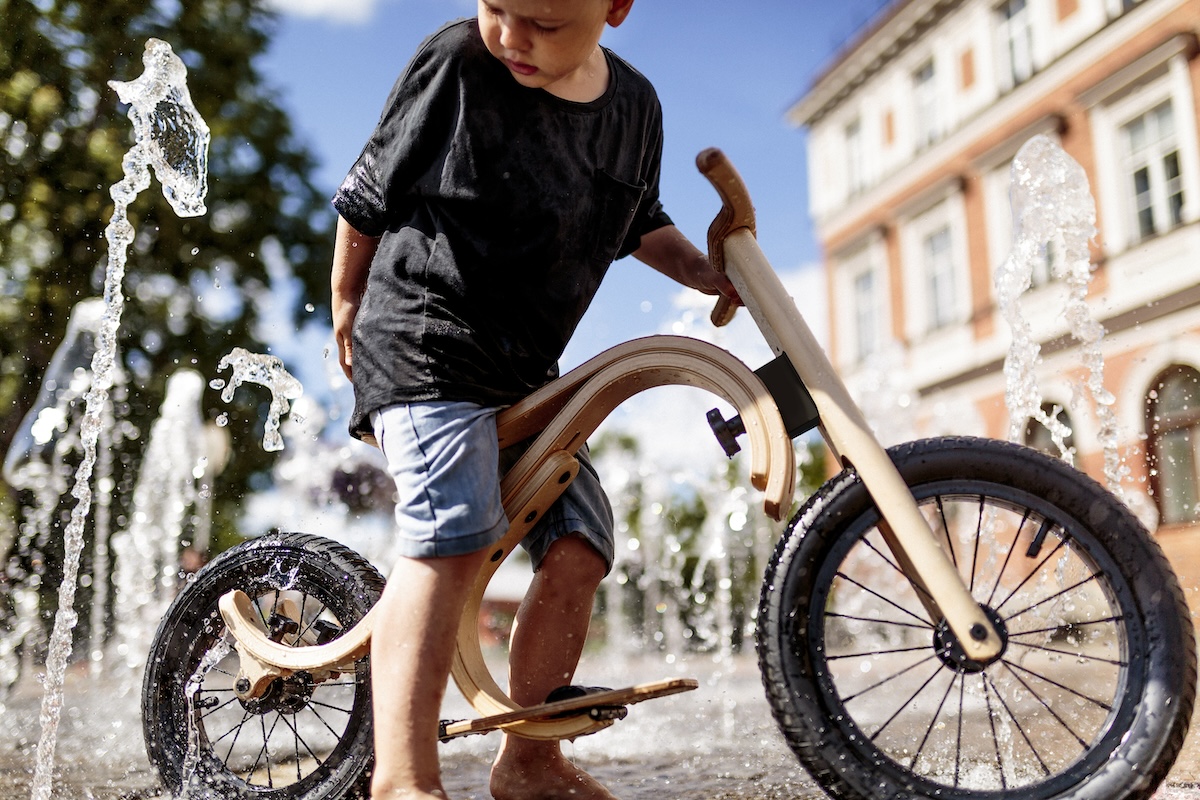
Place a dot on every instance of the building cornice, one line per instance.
(901, 25)
(1035, 106)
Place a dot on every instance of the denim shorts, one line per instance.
(446, 463)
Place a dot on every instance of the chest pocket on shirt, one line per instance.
(614, 202)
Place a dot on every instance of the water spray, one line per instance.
(172, 139)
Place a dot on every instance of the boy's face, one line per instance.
(548, 44)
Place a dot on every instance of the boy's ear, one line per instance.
(618, 10)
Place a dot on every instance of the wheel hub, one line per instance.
(283, 695)
(950, 650)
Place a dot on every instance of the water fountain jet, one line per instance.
(171, 139)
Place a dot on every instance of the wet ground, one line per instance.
(717, 743)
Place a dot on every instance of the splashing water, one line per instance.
(165, 502)
(1054, 216)
(172, 138)
(169, 132)
(265, 370)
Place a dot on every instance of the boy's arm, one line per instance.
(352, 254)
(671, 253)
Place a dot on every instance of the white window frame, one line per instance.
(941, 277)
(856, 157)
(1150, 203)
(936, 292)
(927, 111)
(1109, 118)
(1014, 43)
(861, 312)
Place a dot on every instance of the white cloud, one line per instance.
(347, 11)
(669, 422)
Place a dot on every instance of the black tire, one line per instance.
(302, 741)
(1092, 695)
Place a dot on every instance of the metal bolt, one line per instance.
(979, 632)
(242, 685)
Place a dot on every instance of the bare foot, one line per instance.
(404, 794)
(542, 774)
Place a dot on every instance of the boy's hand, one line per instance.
(670, 252)
(344, 313)
(709, 281)
(352, 254)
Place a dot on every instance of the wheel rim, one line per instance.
(292, 736)
(1044, 712)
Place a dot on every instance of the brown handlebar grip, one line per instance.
(723, 312)
(736, 212)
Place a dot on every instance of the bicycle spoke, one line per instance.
(1056, 651)
(299, 740)
(1052, 682)
(888, 652)
(962, 686)
(215, 709)
(873, 621)
(1035, 571)
(888, 560)
(1054, 628)
(1017, 724)
(1054, 596)
(330, 707)
(339, 683)
(236, 730)
(975, 550)
(891, 677)
(987, 699)
(941, 508)
(1046, 706)
(263, 752)
(906, 703)
(1007, 557)
(321, 719)
(296, 741)
(932, 722)
(890, 602)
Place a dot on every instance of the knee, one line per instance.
(572, 561)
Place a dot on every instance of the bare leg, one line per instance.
(547, 641)
(412, 645)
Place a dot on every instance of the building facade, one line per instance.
(912, 130)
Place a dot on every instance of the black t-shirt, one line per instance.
(499, 209)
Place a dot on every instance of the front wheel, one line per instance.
(1092, 693)
(304, 739)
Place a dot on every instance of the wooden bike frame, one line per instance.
(561, 416)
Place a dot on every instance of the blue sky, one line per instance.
(726, 73)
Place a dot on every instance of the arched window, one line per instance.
(1038, 436)
(1173, 428)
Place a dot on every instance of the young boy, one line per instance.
(515, 160)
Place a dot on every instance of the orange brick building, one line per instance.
(912, 129)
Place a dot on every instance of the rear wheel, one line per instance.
(303, 739)
(1092, 693)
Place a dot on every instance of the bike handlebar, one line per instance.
(736, 212)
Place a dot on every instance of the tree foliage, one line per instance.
(63, 133)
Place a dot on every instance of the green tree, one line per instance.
(63, 133)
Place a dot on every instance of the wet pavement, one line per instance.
(717, 743)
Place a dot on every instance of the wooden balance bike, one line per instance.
(951, 618)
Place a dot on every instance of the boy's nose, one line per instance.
(513, 36)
